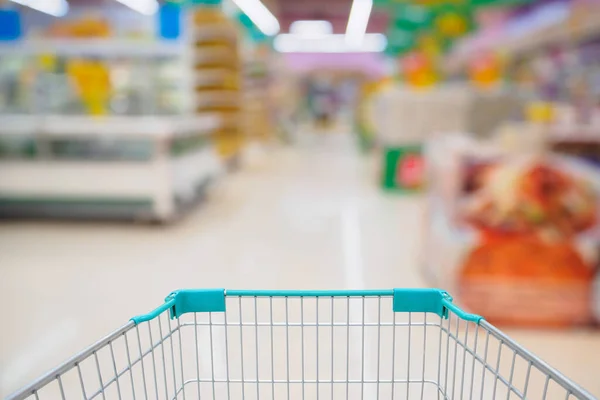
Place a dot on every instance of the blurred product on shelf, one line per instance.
(518, 230)
(404, 117)
(148, 168)
(217, 74)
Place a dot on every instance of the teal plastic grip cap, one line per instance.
(186, 301)
(430, 301)
(197, 300)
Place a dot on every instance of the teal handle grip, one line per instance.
(169, 302)
(460, 313)
(213, 300)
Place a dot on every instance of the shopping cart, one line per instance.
(369, 344)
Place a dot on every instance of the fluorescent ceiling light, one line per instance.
(260, 15)
(146, 7)
(311, 28)
(333, 43)
(56, 8)
(358, 21)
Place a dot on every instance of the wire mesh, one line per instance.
(305, 348)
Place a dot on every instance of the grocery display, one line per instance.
(518, 231)
(89, 102)
(148, 168)
(402, 122)
(217, 73)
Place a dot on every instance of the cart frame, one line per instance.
(464, 350)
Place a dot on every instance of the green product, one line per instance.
(205, 2)
(499, 3)
(410, 17)
(400, 41)
(452, 21)
(403, 168)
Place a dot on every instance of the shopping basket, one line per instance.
(368, 344)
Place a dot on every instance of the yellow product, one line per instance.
(92, 80)
(486, 70)
(207, 15)
(419, 70)
(218, 55)
(216, 100)
(228, 143)
(87, 27)
(540, 112)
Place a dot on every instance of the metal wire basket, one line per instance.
(373, 344)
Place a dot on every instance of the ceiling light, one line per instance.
(358, 21)
(259, 14)
(56, 8)
(311, 28)
(333, 43)
(146, 7)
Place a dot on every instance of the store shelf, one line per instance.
(97, 48)
(579, 25)
(146, 167)
(130, 126)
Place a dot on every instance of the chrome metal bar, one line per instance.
(527, 380)
(378, 344)
(114, 363)
(272, 348)
(439, 366)
(487, 342)
(317, 342)
(153, 357)
(332, 341)
(302, 341)
(464, 362)
(512, 371)
(212, 356)
(362, 354)
(128, 365)
(408, 344)
(227, 357)
(81, 381)
(311, 324)
(347, 346)
(242, 348)
(180, 354)
(170, 337)
(137, 330)
(287, 346)
(99, 374)
(538, 363)
(393, 353)
(164, 360)
(424, 354)
(473, 363)
(196, 347)
(48, 377)
(257, 351)
(61, 388)
(455, 357)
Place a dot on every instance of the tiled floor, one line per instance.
(306, 217)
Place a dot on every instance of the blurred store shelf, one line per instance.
(97, 47)
(580, 23)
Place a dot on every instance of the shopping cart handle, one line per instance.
(213, 300)
(429, 300)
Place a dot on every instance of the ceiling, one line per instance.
(334, 11)
(288, 11)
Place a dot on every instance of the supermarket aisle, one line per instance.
(305, 217)
(309, 217)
